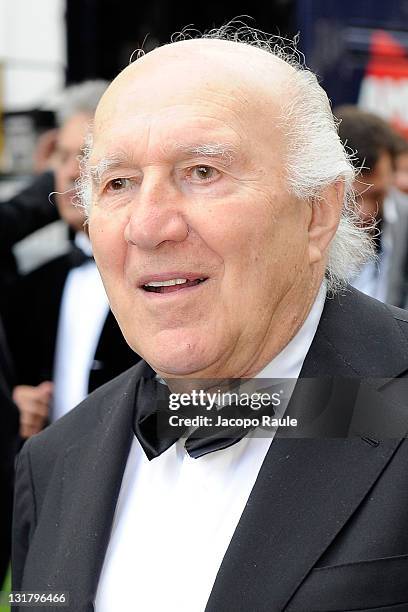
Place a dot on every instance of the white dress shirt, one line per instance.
(176, 515)
(84, 308)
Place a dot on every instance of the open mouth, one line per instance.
(172, 285)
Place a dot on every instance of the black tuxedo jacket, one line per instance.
(9, 424)
(32, 325)
(325, 527)
(25, 213)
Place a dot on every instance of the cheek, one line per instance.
(262, 233)
(236, 226)
(248, 245)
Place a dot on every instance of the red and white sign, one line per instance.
(384, 89)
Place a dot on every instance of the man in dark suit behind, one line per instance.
(378, 202)
(221, 218)
(58, 359)
(20, 216)
(8, 446)
(23, 214)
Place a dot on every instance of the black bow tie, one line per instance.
(152, 429)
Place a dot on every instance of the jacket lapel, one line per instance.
(304, 494)
(357, 337)
(307, 489)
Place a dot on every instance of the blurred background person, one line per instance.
(9, 426)
(20, 216)
(23, 214)
(378, 204)
(401, 165)
(401, 184)
(63, 337)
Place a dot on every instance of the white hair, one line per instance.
(81, 98)
(316, 158)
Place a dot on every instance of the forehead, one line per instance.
(168, 133)
(183, 99)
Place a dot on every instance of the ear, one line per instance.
(324, 220)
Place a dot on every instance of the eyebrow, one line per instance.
(96, 171)
(226, 152)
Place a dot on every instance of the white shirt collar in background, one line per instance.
(83, 312)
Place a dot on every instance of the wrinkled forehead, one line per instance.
(228, 74)
(187, 82)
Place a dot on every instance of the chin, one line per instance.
(179, 356)
(180, 365)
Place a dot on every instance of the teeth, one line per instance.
(167, 283)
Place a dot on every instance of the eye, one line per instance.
(117, 184)
(204, 174)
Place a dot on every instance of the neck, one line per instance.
(287, 319)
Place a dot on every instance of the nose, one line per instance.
(156, 215)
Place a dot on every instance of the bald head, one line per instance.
(212, 71)
(200, 60)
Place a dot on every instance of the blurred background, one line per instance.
(359, 48)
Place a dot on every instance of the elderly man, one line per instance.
(218, 193)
